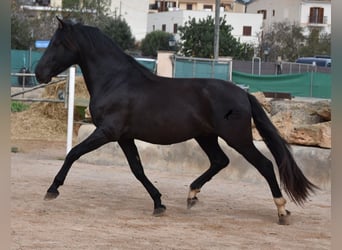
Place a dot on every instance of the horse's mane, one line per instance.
(98, 39)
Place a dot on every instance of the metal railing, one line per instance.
(315, 19)
(68, 100)
(29, 88)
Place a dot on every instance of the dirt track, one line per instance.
(104, 207)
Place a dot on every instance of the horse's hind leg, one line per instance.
(265, 168)
(218, 160)
(132, 155)
(245, 146)
(94, 141)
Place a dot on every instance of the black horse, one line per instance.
(129, 102)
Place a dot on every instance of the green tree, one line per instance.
(90, 12)
(71, 4)
(197, 40)
(154, 41)
(118, 30)
(317, 43)
(284, 39)
(21, 32)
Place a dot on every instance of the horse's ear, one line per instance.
(61, 24)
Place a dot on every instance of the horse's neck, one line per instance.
(102, 67)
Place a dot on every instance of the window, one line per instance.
(175, 28)
(43, 2)
(189, 6)
(273, 13)
(163, 27)
(171, 4)
(247, 31)
(316, 15)
(264, 12)
(153, 27)
(208, 7)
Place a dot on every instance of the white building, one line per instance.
(307, 13)
(246, 27)
(225, 5)
(134, 12)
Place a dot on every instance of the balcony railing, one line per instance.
(316, 20)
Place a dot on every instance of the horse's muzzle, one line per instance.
(41, 78)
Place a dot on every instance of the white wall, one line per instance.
(277, 11)
(56, 3)
(237, 20)
(135, 13)
(292, 11)
(305, 12)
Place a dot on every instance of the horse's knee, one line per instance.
(221, 162)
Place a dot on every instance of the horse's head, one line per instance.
(61, 53)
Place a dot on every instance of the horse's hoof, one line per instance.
(191, 202)
(285, 219)
(159, 211)
(51, 195)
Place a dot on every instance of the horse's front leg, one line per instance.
(130, 150)
(94, 141)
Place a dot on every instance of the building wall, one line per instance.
(237, 20)
(56, 3)
(276, 11)
(134, 12)
(229, 5)
(293, 11)
(305, 13)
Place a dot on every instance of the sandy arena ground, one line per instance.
(105, 207)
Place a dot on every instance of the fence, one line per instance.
(308, 84)
(272, 68)
(24, 62)
(296, 79)
(68, 100)
(189, 67)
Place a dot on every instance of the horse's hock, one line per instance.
(188, 157)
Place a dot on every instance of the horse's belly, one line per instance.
(169, 133)
(164, 140)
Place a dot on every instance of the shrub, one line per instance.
(19, 106)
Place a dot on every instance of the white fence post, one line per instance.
(71, 96)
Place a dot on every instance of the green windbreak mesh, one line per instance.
(192, 68)
(29, 59)
(148, 63)
(23, 59)
(310, 84)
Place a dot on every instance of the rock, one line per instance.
(283, 122)
(302, 121)
(311, 135)
(302, 112)
(324, 112)
(260, 96)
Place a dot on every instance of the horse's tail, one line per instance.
(295, 184)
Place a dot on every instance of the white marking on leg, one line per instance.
(192, 193)
(280, 203)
